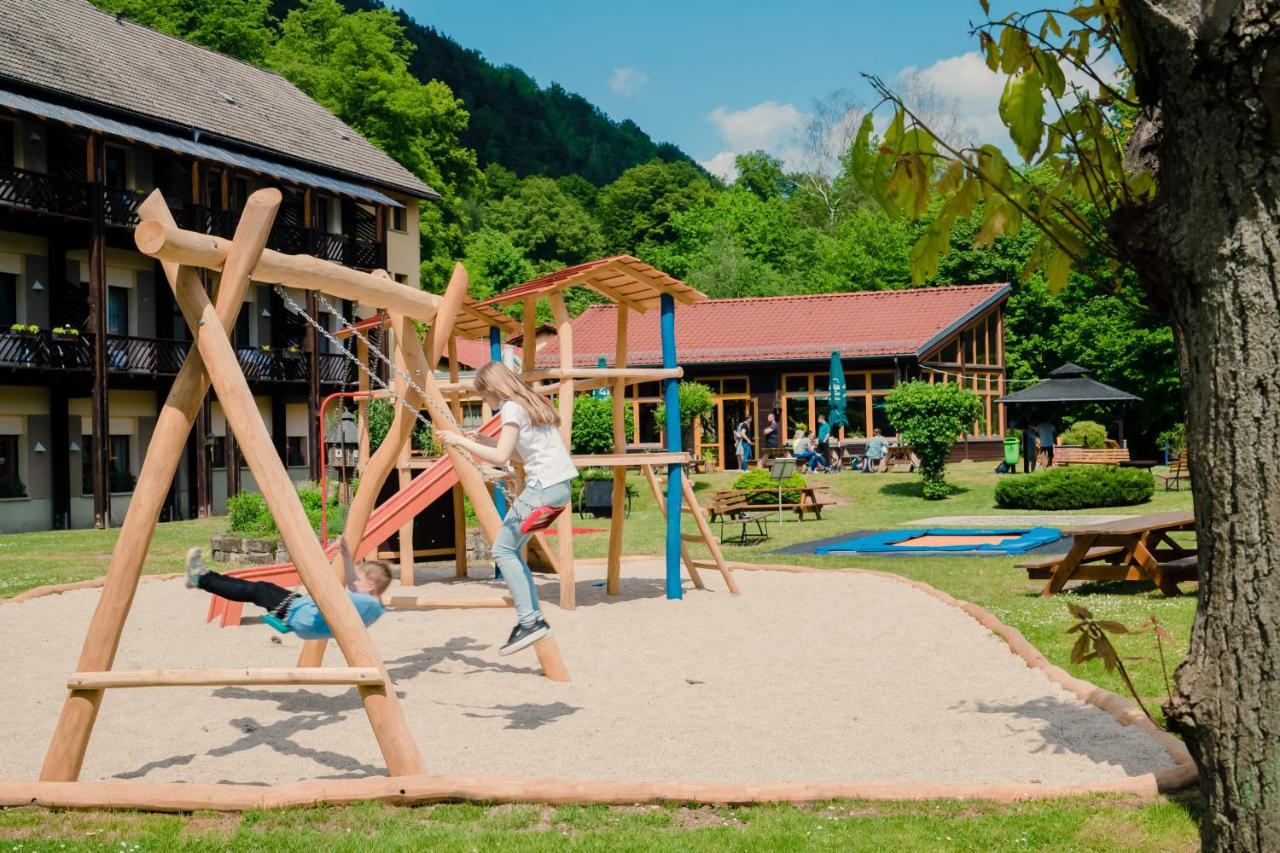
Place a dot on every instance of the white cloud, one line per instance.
(627, 81)
(722, 165)
(768, 126)
(963, 95)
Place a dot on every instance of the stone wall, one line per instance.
(245, 551)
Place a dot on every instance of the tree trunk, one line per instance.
(1208, 249)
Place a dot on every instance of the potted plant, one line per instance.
(65, 334)
(709, 459)
(24, 330)
(293, 352)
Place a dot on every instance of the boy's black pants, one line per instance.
(266, 595)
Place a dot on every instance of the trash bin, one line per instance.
(1011, 451)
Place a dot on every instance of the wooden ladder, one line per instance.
(704, 534)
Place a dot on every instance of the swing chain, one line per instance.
(492, 474)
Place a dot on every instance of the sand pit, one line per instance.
(816, 677)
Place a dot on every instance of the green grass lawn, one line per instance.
(866, 502)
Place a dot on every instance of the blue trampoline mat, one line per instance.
(1019, 541)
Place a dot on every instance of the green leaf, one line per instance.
(1022, 111)
(1013, 49)
(1050, 25)
(1056, 270)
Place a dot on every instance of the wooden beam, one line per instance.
(386, 717)
(447, 312)
(169, 243)
(65, 755)
(222, 677)
(644, 374)
(423, 602)
(613, 572)
(689, 564)
(565, 396)
(459, 533)
(705, 534)
(628, 460)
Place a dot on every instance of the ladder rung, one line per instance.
(222, 677)
(702, 564)
(691, 537)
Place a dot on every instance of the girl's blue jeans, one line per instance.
(510, 541)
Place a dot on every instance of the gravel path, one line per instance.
(806, 677)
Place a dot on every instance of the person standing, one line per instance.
(772, 433)
(1029, 449)
(1044, 432)
(742, 443)
(824, 437)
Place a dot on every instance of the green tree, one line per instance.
(547, 225)
(593, 424)
(638, 207)
(1178, 166)
(356, 65)
(760, 174)
(929, 418)
(494, 263)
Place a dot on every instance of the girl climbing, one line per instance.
(529, 432)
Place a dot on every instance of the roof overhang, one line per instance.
(969, 316)
(621, 279)
(192, 147)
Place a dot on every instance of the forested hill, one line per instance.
(515, 123)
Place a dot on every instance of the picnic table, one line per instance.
(810, 501)
(899, 454)
(1134, 549)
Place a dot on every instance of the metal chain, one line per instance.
(491, 473)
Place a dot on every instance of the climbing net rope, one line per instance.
(491, 473)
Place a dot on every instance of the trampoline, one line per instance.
(945, 540)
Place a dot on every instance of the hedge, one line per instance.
(759, 478)
(249, 515)
(1075, 487)
(1089, 434)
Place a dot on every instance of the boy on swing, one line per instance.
(293, 611)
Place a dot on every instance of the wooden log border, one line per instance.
(440, 788)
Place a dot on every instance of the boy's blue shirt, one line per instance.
(308, 623)
(824, 431)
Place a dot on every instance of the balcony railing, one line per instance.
(155, 357)
(47, 193)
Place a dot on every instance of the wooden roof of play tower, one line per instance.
(622, 279)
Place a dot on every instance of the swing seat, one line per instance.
(541, 518)
(277, 623)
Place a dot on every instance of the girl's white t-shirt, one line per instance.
(546, 461)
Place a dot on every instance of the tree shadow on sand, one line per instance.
(1072, 728)
(456, 649)
(527, 716)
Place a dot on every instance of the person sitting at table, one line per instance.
(877, 449)
(802, 450)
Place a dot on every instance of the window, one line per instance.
(11, 485)
(326, 221)
(8, 153)
(8, 298)
(397, 219)
(119, 470)
(242, 324)
(116, 167)
(295, 451)
(117, 310)
(326, 322)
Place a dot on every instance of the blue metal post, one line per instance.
(499, 499)
(675, 499)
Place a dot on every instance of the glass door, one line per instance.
(730, 412)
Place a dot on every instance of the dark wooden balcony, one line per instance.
(133, 356)
(45, 193)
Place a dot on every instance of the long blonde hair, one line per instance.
(496, 378)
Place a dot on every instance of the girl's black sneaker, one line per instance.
(523, 636)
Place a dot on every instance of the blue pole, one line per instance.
(675, 500)
(499, 499)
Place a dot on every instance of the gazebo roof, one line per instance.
(621, 279)
(474, 319)
(1069, 383)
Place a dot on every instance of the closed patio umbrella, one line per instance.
(835, 395)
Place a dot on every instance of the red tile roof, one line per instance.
(473, 353)
(620, 278)
(786, 328)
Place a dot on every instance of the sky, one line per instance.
(721, 77)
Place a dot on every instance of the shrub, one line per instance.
(929, 418)
(594, 474)
(248, 515)
(1175, 436)
(378, 415)
(1076, 487)
(593, 424)
(696, 401)
(759, 478)
(1086, 434)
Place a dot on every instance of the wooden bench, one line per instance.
(1043, 568)
(768, 454)
(1089, 456)
(809, 501)
(734, 507)
(1176, 474)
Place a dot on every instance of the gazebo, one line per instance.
(1067, 385)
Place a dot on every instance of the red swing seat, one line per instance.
(541, 518)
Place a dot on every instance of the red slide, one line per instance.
(384, 522)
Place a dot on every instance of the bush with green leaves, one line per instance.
(758, 478)
(1175, 437)
(929, 418)
(696, 401)
(378, 415)
(593, 424)
(594, 474)
(249, 515)
(1076, 487)
(1086, 434)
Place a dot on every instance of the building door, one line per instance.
(731, 411)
